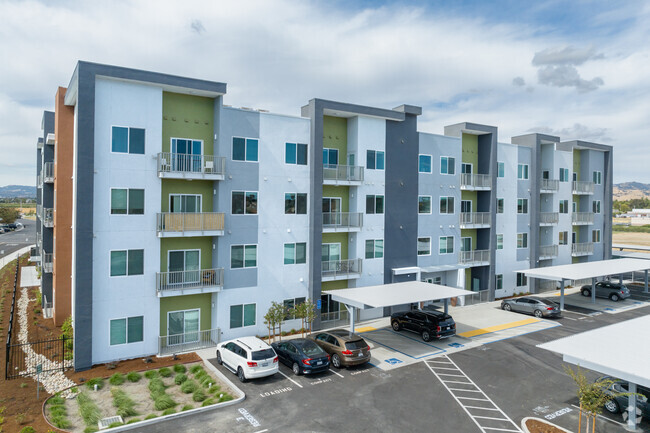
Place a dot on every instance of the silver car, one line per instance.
(607, 289)
(539, 307)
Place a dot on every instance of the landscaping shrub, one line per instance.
(125, 406)
(115, 424)
(116, 379)
(207, 382)
(214, 388)
(180, 368)
(180, 378)
(150, 374)
(132, 420)
(95, 381)
(57, 399)
(198, 395)
(200, 375)
(151, 416)
(60, 422)
(187, 407)
(196, 368)
(163, 401)
(88, 410)
(91, 429)
(28, 429)
(189, 386)
(156, 386)
(133, 376)
(225, 397)
(169, 411)
(58, 409)
(165, 372)
(208, 402)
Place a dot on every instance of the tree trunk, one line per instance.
(580, 419)
(593, 430)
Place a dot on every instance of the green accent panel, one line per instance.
(576, 162)
(575, 259)
(576, 230)
(576, 199)
(468, 278)
(189, 302)
(470, 150)
(469, 233)
(338, 191)
(334, 285)
(204, 243)
(180, 186)
(335, 136)
(187, 116)
(338, 238)
(469, 195)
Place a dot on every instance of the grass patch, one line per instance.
(91, 429)
(60, 422)
(58, 410)
(165, 372)
(189, 386)
(56, 400)
(180, 378)
(208, 402)
(27, 429)
(225, 397)
(88, 410)
(95, 381)
(213, 389)
(163, 401)
(125, 406)
(196, 368)
(117, 379)
(180, 368)
(201, 375)
(169, 411)
(156, 386)
(198, 395)
(151, 416)
(115, 424)
(133, 377)
(187, 407)
(207, 382)
(150, 374)
(132, 420)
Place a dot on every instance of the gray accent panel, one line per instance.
(350, 110)
(47, 200)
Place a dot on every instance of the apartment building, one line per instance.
(180, 219)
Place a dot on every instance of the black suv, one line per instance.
(429, 324)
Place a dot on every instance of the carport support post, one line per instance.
(631, 408)
(562, 294)
(446, 305)
(593, 290)
(620, 278)
(351, 313)
(645, 281)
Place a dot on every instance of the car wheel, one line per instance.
(426, 336)
(614, 297)
(612, 406)
(219, 361)
(240, 375)
(538, 314)
(336, 361)
(507, 307)
(396, 326)
(586, 292)
(296, 369)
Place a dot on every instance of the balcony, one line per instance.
(183, 166)
(547, 252)
(189, 282)
(48, 172)
(583, 188)
(549, 185)
(340, 270)
(474, 258)
(342, 175)
(49, 139)
(582, 218)
(475, 220)
(475, 182)
(48, 217)
(39, 211)
(188, 342)
(47, 263)
(548, 218)
(179, 224)
(334, 222)
(582, 249)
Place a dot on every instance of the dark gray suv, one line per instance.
(607, 289)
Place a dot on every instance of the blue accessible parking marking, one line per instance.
(393, 361)
(456, 345)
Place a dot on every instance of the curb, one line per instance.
(525, 429)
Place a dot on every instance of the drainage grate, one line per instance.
(105, 422)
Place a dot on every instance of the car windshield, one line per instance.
(354, 345)
(258, 355)
(311, 349)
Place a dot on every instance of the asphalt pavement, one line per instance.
(17, 239)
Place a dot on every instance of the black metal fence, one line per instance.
(11, 319)
(23, 358)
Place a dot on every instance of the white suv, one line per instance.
(248, 358)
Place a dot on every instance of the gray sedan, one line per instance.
(539, 307)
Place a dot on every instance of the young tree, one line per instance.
(9, 215)
(269, 321)
(279, 316)
(309, 312)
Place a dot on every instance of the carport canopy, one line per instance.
(592, 270)
(619, 350)
(388, 295)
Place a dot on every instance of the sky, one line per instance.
(576, 69)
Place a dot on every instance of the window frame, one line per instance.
(596, 206)
(453, 165)
(128, 196)
(257, 198)
(375, 159)
(420, 198)
(232, 149)
(128, 140)
(126, 337)
(501, 170)
(503, 204)
(446, 246)
(563, 206)
(563, 234)
(374, 249)
(498, 281)
(298, 145)
(521, 278)
(243, 318)
(418, 248)
(430, 163)
(597, 177)
(374, 199)
(497, 241)
(447, 199)
(296, 194)
(295, 256)
(523, 204)
(524, 175)
(126, 263)
(244, 256)
(524, 237)
(564, 174)
(598, 233)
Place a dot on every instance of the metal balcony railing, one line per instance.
(582, 249)
(475, 181)
(167, 282)
(39, 211)
(182, 222)
(549, 185)
(549, 217)
(342, 221)
(474, 257)
(341, 269)
(48, 217)
(342, 173)
(47, 263)
(49, 139)
(582, 218)
(183, 165)
(472, 219)
(548, 252)
(582, 187)
(48, 172)
(188, 342)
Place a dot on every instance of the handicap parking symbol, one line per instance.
(393, 361)
(456, 345)
(609, 309)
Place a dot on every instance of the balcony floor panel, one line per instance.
(341, 229)
(190, 233)
(190, 291)
(191, 176)
(341, 277)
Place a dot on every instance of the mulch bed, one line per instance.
(536, 426)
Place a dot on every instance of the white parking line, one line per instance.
(499, 429)
(455, 381)
(465, 390)
(338, 374)
(296, 383)
(482, 408)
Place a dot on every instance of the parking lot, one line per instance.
(574, 301)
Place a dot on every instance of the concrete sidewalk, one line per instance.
(29, 277)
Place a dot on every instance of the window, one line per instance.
(499, 281)
(447, 165)
(446, 244)
(465, 206)
(595, 236)
(522, 280)
(295, 254)
(126, 330)
(424, 246)
(500, 205)
(185, 203)
(522, 205)
(127, 201)
(564, 238)
(295, 153)
(574, 207)
(244, 149)
(499, 241)
(183, 326)
(564, 206)
(127, 140)
(374, 159)
(564, 174)
(244, 202)
(375, 204)
(127, 262)
(522, 240)
(290, 304)
(595, 206)
(466, 168)
(598, 177)
(295, 203)
(330, 156)
(522, 171)
(242, 315)
(374, 248)
(501, 169)
(447, 205)
(466, 244)
(243, 256)
(424, 164)
(424, 204)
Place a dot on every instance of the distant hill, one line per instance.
(631, 190)
(17, 191)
